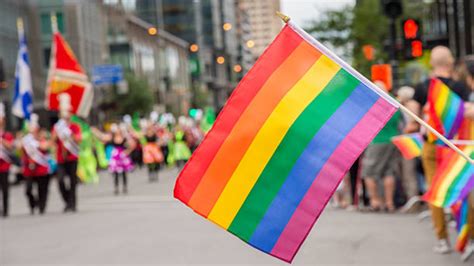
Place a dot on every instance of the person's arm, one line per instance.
(411, 125)
(131, 145)
(104, 137)
(469, 110)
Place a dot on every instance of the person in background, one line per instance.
(35, 165)
(469, 112)
(152, 155)
(409, 167)
(120, 162)
(6, 148)
(442, 63)
(67, 136)
(380, 162)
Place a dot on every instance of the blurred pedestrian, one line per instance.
(380, 162)
(6, 149)
(152, 155)
(120, 162)
(35, 165)
(67, 136)
(442, 63)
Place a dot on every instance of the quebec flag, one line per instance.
(23, 94)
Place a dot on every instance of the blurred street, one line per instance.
(148, 226)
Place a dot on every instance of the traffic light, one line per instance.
(412, 43)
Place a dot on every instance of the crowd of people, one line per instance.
(380, 180)
(38, 155)
(388, 181)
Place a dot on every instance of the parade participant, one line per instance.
(380, 161)
(181, 151)
(120, 162)
(469, 112)
(6, 147)
(67, 137)
(442, 62)
(152, 155)
(35, 166)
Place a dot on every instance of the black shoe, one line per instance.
(66, 209)
(32, 211)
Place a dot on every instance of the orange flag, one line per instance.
(67, 76)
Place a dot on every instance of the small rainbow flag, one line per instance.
(445, 110)
(466, 130)
(460, 211)
(409, 145)
(454, 179)
(282, 144)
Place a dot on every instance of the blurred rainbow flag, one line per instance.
(453, 181)
(409, 145)
(282, 144)
(445, 110)
(460, 211)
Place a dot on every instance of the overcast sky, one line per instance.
(302, 11)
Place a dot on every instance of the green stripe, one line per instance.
(288, 152)
(455, 183)
(447, 108)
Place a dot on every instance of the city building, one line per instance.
(264, 24)
(151, 53)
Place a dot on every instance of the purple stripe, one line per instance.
(457, 122)
(328, 179)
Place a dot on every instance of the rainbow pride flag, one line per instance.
(466, 130)
(409, 145)
(445, 110)
(453, 181)
(460, 211)
(282, 144)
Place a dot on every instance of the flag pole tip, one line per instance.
(283, 17)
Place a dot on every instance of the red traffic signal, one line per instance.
(412, 43)
(416, 48)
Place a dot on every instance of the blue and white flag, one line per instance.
(23, 95)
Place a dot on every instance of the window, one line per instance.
(46, 23)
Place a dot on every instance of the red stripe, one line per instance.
(328, 179)
(284, 44)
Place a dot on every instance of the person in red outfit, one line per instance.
(67, 137)
(6, 147)
(35, 167)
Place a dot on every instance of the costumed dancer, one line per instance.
(67, 137)
(6, 148)
(35, 161)
(152, 155)
(120, 162)
(181, 151)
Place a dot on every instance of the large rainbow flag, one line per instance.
(445, 110)
(410, 145)
(282, 144)
(67, 76)
(460, 211)
(453, 181)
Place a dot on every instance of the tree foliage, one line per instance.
(139, 98)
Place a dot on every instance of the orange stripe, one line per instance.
(252, 119)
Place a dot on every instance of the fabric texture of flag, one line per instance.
(409, 145)
(283, 142)
(23, 94)
(445, 110)
(466, 130)
(453, 181)
(460, 211)
(67, 76)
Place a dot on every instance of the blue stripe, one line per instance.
(309, 164)
(452, 114)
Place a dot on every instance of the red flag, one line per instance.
(67, 76)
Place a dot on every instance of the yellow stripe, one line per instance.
(457, 167)
(441, 101)
(413, 148)
(268, 138)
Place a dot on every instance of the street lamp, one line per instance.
(237, 68)
(250, 43)
(220, 60)
(227, 26)
(152, 31)
(194, 48)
